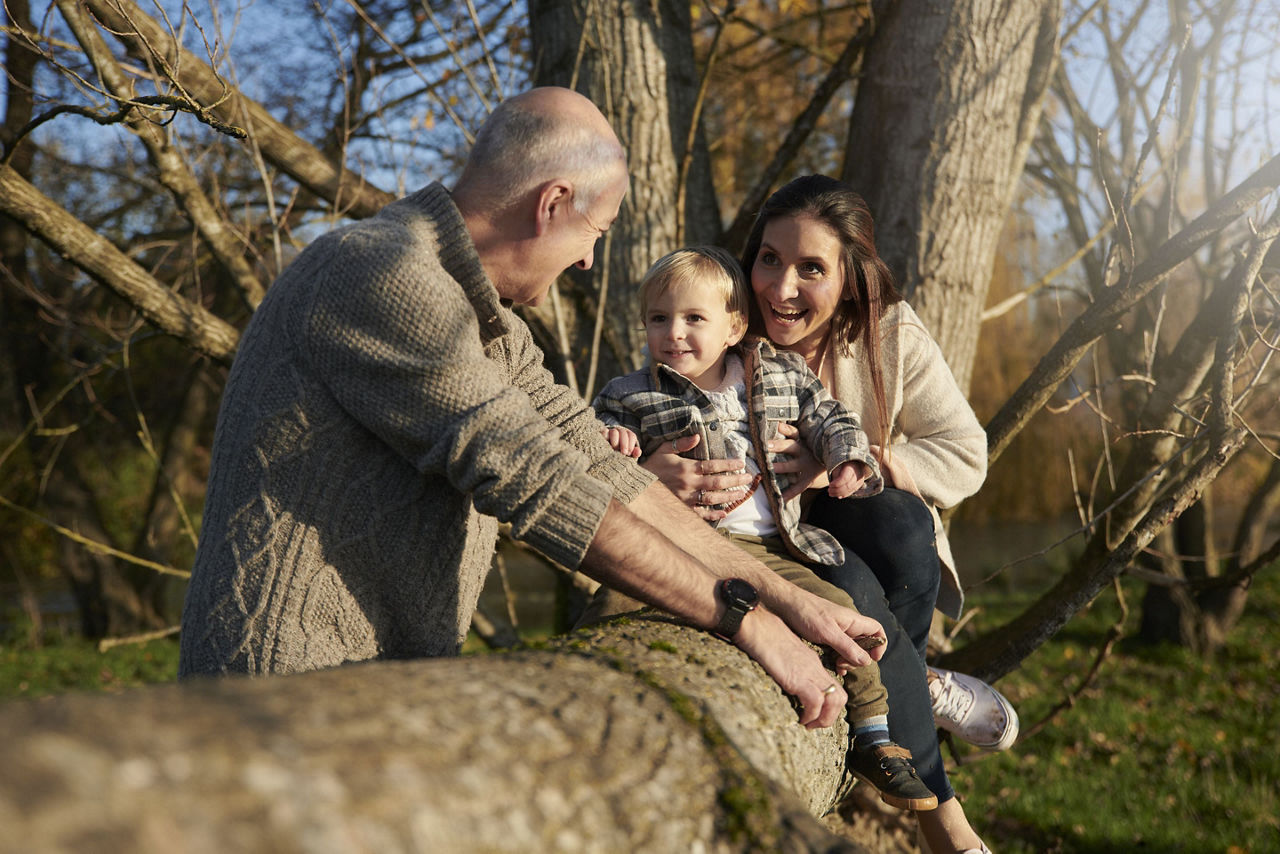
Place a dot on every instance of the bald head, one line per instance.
(537, 136)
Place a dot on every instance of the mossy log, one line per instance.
(640, 735)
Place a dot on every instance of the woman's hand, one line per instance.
(809, 471)
(698, 483)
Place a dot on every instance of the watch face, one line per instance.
(737, 590)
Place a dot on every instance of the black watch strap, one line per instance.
(740, 599)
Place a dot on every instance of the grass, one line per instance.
(1164, 752)
(63, 664)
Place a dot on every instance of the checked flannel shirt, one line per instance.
(659, 404)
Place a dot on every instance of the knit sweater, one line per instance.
(939, 449)
(659, 404)
(385, 411)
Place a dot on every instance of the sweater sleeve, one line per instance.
(396, 342)
(567, 410)
(938, 438)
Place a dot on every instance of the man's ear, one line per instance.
(553, 199)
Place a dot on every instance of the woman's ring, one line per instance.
(701, 493)
(830, 689)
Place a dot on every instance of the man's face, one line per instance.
(569, 241)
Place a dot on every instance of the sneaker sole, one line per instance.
(912, 804)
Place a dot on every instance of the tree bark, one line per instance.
(635, 61)
(947, 103)
(640, 736)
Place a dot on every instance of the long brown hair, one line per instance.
(837, 205)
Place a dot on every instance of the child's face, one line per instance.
(689, 330)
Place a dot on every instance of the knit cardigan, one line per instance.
(939, 449)
(385, 411)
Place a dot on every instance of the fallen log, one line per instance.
(640, 735)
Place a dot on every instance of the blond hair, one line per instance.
(705, 266)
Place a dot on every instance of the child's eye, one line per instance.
(656, 318)
(695, 318)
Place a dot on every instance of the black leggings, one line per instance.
(891, 571)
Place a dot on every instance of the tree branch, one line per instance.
(1102, 316)
(97, 256)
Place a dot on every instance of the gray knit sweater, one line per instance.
(384, 412)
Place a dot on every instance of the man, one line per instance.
(386, 410)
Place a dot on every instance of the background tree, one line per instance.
(166, 182)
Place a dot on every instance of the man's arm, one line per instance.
(811, 617)
(635, 558)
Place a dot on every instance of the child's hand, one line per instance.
(847, 479)
(623, 441)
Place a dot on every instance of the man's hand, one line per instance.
(847, 479)
(809, 471)
(623, 441)
(794, 666)
(697, 483)
(831, 625)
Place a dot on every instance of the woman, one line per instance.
(823, 291)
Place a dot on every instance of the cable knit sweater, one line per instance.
(939, 449)
(384, 412)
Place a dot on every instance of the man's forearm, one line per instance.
(633, 556)
(662, 510)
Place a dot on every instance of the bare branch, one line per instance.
(1102, 316)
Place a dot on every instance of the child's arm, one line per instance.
(623, 441)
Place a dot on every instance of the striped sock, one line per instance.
(871, 731)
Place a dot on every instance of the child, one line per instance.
(704, 381)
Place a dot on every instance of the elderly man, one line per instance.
(387, 409)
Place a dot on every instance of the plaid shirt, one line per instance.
(659, 404)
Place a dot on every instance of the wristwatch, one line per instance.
(740, 599)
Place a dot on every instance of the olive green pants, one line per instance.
(867, 696)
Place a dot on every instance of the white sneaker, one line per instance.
(972, 709)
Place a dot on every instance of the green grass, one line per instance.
(68, 664)
(1164, 752)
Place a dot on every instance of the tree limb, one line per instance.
(145, 39)
(1057, 364)
(97, 256)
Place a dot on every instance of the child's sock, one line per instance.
(871, 731)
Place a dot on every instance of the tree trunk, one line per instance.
(947, 103)
(642, 736)
(635, 61)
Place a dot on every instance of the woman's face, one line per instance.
(798, 280)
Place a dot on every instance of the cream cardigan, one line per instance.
(939, 449)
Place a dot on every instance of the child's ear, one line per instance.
(738, 331)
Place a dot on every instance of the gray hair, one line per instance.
(518, 148)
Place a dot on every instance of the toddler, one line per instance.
(706, 381)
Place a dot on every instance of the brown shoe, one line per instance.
(887, 768)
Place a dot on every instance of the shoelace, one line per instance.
(952, 701)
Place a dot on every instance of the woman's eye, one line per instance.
(812, 269)
(768, 258)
